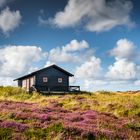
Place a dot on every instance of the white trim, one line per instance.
(45, 79)
(60, 80)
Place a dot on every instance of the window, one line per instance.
(45, 79)
(59, 80)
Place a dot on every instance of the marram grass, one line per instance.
(88, 116)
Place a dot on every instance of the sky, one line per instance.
(96, 40)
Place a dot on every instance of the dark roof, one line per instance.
(52, 66)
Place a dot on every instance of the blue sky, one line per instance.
(96, 40)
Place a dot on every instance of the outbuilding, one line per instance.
(48, 79)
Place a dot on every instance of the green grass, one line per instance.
(119, 104)
(5, 134)
(47, 133)
(122, 105)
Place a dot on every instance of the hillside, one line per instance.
(100, 115)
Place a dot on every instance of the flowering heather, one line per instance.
(94, 116)
(15, 125)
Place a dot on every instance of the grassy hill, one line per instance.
(101, 115)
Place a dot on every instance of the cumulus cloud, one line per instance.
(16, 60)
(91, 83)
(58, 55)
(137, 82)
(124, 49)
(72, 80)
(121, 72)
(94, 15)
(9, 20)
(71, 52)
(6, 81)
(89, 69)
(74, 45)
(122, 69)
(49, 63)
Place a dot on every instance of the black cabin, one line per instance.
(52, 78)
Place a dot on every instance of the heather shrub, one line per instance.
(13, 125)
(84, 116)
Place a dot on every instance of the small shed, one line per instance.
(48, 79)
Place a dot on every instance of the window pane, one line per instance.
(45, 79)
(59, 80)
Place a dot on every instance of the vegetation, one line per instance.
(88, 116)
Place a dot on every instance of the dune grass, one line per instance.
(99, 115)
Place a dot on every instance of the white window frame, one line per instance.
(60, 80)
(45, 79)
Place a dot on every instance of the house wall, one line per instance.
(20, 83)
(27, 82)
(52, 84)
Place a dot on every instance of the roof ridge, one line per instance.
(54, 65)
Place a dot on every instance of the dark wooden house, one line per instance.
(52, 78)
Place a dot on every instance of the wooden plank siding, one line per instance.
(27, 83)
(52, 78)
(52, 83)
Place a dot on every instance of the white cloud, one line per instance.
(92, 83)
(16, 60)
(89, 69)
(57, 55)
(137, 82)
(89, 73)
(49, 63)
(74, 45)
(122, 69)
(95, 15)
(9, 20)
(72, 80)
(71, 52)
(124, 49)
(6, 81)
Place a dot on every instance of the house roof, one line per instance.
(52, 66)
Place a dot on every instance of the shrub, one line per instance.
(11, 124)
